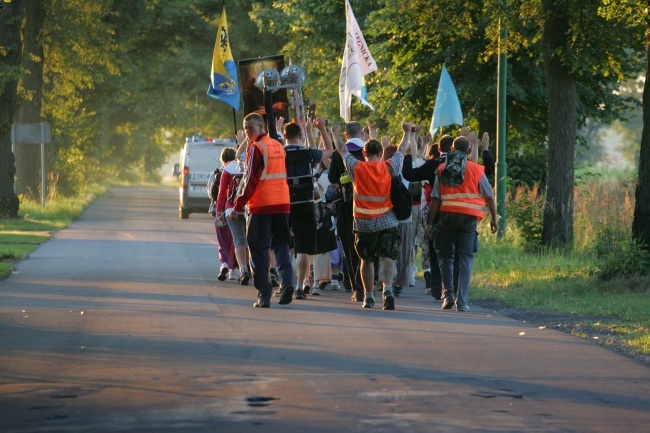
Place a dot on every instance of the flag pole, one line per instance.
(502, 166)
(234, 120)
(234, 116)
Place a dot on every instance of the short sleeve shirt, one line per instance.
(386, 221)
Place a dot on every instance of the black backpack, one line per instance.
(400, 196)
(415, 188)
(213, 184)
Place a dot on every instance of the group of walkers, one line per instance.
(307, 212)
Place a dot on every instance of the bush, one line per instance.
(526, 207)
(619, 255)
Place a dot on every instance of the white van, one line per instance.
(199, 157)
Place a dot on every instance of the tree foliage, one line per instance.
(10, 56)
(125, 82)
(412, 39)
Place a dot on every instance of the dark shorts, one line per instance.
(371, 246)
(303, 226)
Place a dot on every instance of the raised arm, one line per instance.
(242, 144)
(385, 142)
(473, 141)
(413, 149)
(407, 128)
(279, 122)
(309, 131)
(373, 133)
(426, 142)
(340, 145)
(319, 123)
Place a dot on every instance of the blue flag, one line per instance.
(223, 78)
(447, 110)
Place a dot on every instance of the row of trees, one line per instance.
(567, 60)
(124, 82)
(121, 83)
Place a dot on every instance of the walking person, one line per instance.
(231, 177)
(225, 243)
(266, 194)
(299, 162)
(460, 194)
(375, 223)
(428, 171)
(404, 258)
(343, 209)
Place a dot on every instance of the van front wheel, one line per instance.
(183, 213)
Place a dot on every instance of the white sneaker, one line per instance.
(427, 292)
(223, 272)
(315, 291)
(233, 274)
(334, 285)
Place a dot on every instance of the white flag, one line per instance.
(357, 62)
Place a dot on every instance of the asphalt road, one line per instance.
(119, 324)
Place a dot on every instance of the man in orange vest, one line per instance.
(266, 194)
(460, 193)
(376, 235)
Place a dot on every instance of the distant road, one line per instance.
(118, 323)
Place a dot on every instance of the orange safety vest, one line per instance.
(371, 190)
(272, 189)
(466, 198)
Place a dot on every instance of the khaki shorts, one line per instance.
(371, 246)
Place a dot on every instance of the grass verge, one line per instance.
(559, 290)
(35, 225)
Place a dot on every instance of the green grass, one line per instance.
(563, 283)
(34, 225)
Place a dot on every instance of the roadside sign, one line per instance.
(33, 133)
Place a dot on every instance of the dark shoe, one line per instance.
(245, 277)
(427, 279)
(223, 274)
(389, 300)
(322, 286)
(300, 294)
(275, 282)
(262, 303)
(368, 302)
(448, 303)
(307, 290)
(397, 289)
(287, 296)
(461, 307)
(357, 297)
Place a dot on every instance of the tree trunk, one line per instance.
(10, 20)
(641, 223)
(28, 156)
(562, 100)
